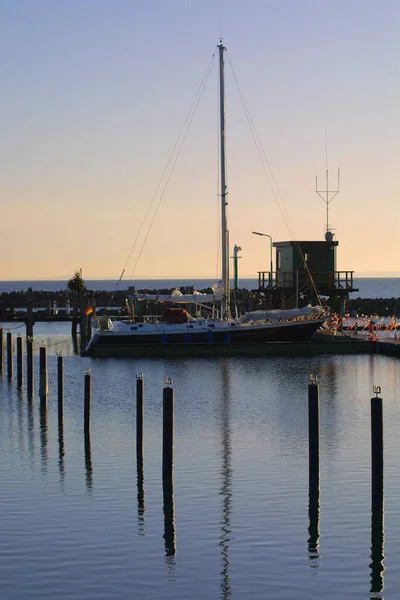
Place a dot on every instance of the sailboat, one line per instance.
(180, 333)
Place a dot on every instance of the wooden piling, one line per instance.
(19, 362)
(43, 374)
(139, 415)
(1, 349)
(313, 428)
(377, 477)
(29, 315)
(60, 385)
(87, 404)
(29, 367)
(168, 431)
(9, 355)
(377, 447)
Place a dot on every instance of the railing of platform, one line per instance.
(336, 280)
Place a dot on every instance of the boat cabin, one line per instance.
(176, 315)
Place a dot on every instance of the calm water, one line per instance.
(383, 287)
(77, 521)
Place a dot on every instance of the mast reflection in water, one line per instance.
(226, 482)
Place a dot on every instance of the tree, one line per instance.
(76, 283)
(77, 286)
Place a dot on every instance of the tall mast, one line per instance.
(224, 230)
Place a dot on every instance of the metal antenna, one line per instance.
(328, 195)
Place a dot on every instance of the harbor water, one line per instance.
(81, 519)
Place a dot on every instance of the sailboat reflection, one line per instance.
(314, 516)
(226, 481)
(377, 545)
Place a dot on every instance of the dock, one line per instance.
(323, 342)
(384, 346)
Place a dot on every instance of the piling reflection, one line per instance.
(314, 524)
(377, 546)
(140, 494)
(88, 461)
(226, 482)
(21, 437)
(43, 434)
(31, 433)
(61, 450)
(169, 523)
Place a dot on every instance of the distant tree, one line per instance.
(76, 283)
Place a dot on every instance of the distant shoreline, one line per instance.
(368, 287)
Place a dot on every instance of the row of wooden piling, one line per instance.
(168, 425)
(168, 410)
(376, 436)
(168, 395)
(9, 353)
(377, 478)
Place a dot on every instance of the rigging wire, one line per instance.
(174, 154)
(271, 179)
(167, 173)
(178, 151)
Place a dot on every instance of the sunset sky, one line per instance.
(95, 94)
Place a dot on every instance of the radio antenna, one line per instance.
(327, 195)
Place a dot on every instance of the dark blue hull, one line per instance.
(213, 342)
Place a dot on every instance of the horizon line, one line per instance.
(360, 275)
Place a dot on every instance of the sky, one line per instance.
(94, 97)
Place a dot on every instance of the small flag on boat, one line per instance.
(88, 310)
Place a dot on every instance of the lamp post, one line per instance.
(270, 246)
(236, 250)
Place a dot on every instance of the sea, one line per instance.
(368, 287)
(82, 518)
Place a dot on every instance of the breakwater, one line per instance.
(60, 304)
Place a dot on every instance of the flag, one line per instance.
(88, 310)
